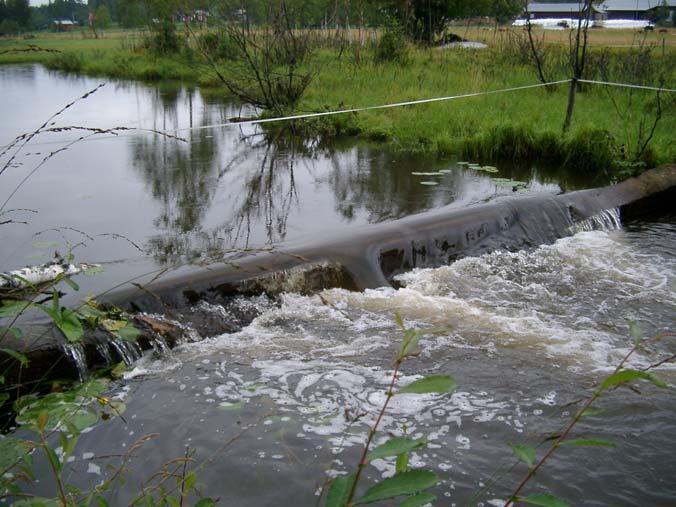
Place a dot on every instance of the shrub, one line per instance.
(68, 62)
(164, 38)
(217, 45)
(392, 47)
(590, 149)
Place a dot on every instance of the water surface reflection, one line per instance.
(218, 189)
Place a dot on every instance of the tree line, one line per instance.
(421, 19)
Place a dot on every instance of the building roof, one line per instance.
(572, 7)
(63, 22)
(633, 5)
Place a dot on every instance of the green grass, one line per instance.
(513, 125)
(608, 124)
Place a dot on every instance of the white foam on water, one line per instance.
(569, 299)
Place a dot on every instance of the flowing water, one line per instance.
(526, 336)
(269, 410)
(139, 202)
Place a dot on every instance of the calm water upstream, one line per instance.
(526, 335)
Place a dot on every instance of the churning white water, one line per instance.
(525, 334)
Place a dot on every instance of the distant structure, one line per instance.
(633, 9)
(541, 10)
(63, 25)
(607, 10)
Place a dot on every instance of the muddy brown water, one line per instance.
(525, 334)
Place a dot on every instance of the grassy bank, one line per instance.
(608, 123)
(611, 126)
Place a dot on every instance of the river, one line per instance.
(525, 334)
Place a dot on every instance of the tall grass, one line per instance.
(609, 124)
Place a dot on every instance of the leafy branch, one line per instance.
(621, 376)
(405, 482)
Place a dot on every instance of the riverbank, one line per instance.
(616, 128)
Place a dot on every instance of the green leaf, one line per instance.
(117, 372)
(16, 355)
(190, 481)
(410, 343)
(43, 418)
(12, 307)
(407, 483)
(401, 464)
(71, 283)
(3, 398)
(66, 320)
(395, 447)
(636, 332)
(624, 376)
(38, 502)
(399, 321)
(173, 502)
(14, 331)
(102, 502)
(339, 491)
(70, 325)
(206, 502)
(418, 500)
(90, 310)
(431, 384)
(113, 325)
(525, 453)
(53, 458)
(83, 419)
(582, 442)
(128, 333)
(13, 451)
(544, 500)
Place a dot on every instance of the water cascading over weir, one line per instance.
(196, 302)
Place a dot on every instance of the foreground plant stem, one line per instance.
(55, 469)
(513, 498)
(372, 432)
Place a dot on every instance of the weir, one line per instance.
(179, 307)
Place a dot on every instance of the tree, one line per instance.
(506, 10)
(102, 17)
(423, 20)
(19, 11)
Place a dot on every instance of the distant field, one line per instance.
(598, 37)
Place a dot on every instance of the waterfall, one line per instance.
(607, 220)
(75, 352)
(127, 351)
(158, 343)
